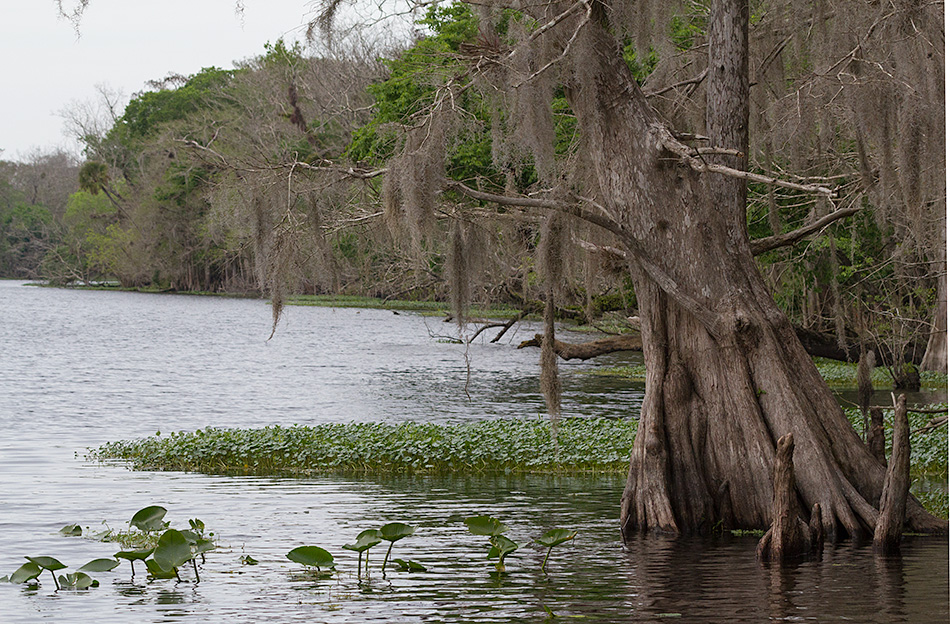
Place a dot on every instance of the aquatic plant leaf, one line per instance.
(134, 555)
(173, 550)
(149, 518)
(556, 536)
(190, 535)
(48, 563)
(26, 572)
(156, 571)
(202, 546)
(395, 531)
(99, 565)
(501, 546)
(4, 579)
(365, 540)
(408, 565)
(485, 525)
(77, 580)
(71, 530)
(248, 560)
(311, 556)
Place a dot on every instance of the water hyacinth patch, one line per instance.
(586, 445)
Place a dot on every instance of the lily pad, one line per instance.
(26, 572)
(408, 565)
(485, 525)
(395, 531)
(99, 565)
(48, 563)
(134, 555)
(157, 571)
(556, 536)
(149, 518)
(173, 550)
(71, 530)
(311, 556)
(365, 540)
(501, 547)
(77, 580)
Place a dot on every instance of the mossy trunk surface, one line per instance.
(726, 374)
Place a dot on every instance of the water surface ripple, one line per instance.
(81, 368)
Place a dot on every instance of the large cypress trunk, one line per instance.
(726, 374)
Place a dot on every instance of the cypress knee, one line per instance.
(789, 537)
(890, 521)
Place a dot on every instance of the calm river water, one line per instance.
(81, 368)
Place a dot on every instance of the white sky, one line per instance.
(44, 67)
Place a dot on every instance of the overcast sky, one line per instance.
(44, 67)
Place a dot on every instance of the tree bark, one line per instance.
(726, 376)
(890, 522)
(935, 357)
(789, 538)
(876, 435)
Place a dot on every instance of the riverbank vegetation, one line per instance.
(579, 445)
(267, 178)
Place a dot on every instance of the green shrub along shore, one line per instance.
(582, 446)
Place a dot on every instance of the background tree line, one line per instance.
(266, 178)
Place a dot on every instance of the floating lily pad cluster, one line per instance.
(173, 548)
(316, 557)
(500, 546)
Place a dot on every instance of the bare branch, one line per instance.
(696, 164)
(769, 243)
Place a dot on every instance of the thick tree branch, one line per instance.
(548, 204)
(685, 153)
(769, 243)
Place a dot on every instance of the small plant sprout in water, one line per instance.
(501, 547)
(71, 530)
(312, 557)
(408, 565)
(551, 539)
(392, 533)
(493, 528)
(364, 541)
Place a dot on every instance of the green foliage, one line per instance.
(392, 533)
(485, 525)
(408, 565)
(71, 530)
(25, 573)
(312, 556)
(145, 113)
(586, 445)
(173, 550)
(99, 565)
(553, 538)
(77, 580)
(149, 518)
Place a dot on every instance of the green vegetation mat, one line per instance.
(494, 446)
(583, 445)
